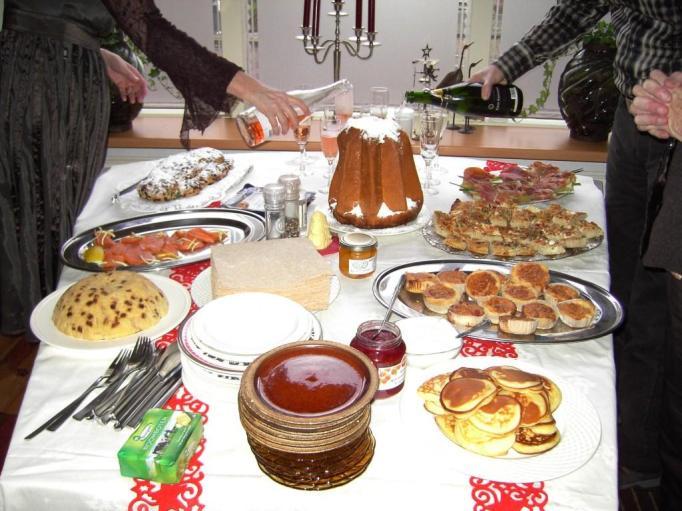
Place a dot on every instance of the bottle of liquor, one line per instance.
(465, 98)
(254, 126)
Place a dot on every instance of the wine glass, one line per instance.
(431, 129)
(301, 134)
(331, 126)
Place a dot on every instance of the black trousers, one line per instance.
(671, 418)
(633, 162)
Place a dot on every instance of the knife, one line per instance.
(115, 198)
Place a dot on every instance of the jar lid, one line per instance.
(358, 240)
(292, 184)
(273, 194)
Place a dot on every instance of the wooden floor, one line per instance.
(16, 361)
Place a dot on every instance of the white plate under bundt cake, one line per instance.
(375, 184)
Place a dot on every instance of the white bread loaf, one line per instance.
(288, 267)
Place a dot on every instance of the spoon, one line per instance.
(468, 331)
(398, 287)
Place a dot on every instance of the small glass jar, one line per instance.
(357, 255)
(386, 349)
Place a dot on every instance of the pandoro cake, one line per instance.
(288, 267)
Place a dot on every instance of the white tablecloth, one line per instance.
(76, 467)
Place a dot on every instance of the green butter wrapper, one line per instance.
(161, 446)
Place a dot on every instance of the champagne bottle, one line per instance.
(465, 98)
(255, 127)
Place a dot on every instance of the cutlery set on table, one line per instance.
(136, 380)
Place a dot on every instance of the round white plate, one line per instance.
(249, 323)
(422, 219)
(215, 192)
(179, 302)
(202, 293)
(576, 418)
(229, 364)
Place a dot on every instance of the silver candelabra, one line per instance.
(354, 45)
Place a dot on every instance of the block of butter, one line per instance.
(161, 446)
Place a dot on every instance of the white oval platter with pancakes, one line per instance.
(576, 419)
(179, 302)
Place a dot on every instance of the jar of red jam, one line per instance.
(386, 349)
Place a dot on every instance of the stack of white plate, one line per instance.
(222, 338)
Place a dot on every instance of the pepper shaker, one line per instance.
(292, 185)
(273, 196)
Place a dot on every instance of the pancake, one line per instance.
(532, 273)
(500, 416)
(514, 379)
(470, 372)
(528, 442)
(439, 298)
(553, 393)
(430, 389)
(534, 406)
(468, 436)
(465, 394)
(435, 408)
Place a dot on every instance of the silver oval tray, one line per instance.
(435, 240)
(239, 225)
(609, 311)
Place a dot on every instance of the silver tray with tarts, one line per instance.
(609, 311)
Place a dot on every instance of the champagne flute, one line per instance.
(301, 134)
(431, 129)
(330, 148)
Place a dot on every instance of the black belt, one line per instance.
(50, 26)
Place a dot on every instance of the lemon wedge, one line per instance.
(94, 254)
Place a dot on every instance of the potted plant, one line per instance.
(587, 94)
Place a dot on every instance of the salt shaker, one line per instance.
(292, 185)
(273, 196)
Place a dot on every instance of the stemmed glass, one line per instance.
(431, 129)
(330, 148)
(301, 134)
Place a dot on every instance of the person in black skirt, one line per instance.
(54, 112)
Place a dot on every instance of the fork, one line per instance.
(116, 366)
(142, 356)
(136, 361)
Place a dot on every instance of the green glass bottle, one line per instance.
(465, 98)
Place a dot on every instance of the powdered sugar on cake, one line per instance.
(184, 174)
(375, 127)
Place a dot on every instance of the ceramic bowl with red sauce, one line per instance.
(305, 407)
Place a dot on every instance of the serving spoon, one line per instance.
(396, 291)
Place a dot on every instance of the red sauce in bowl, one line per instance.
(311, 381)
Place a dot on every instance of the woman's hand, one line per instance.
(489, 76)
(650, 106)
(283, 111)
(131, 85)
